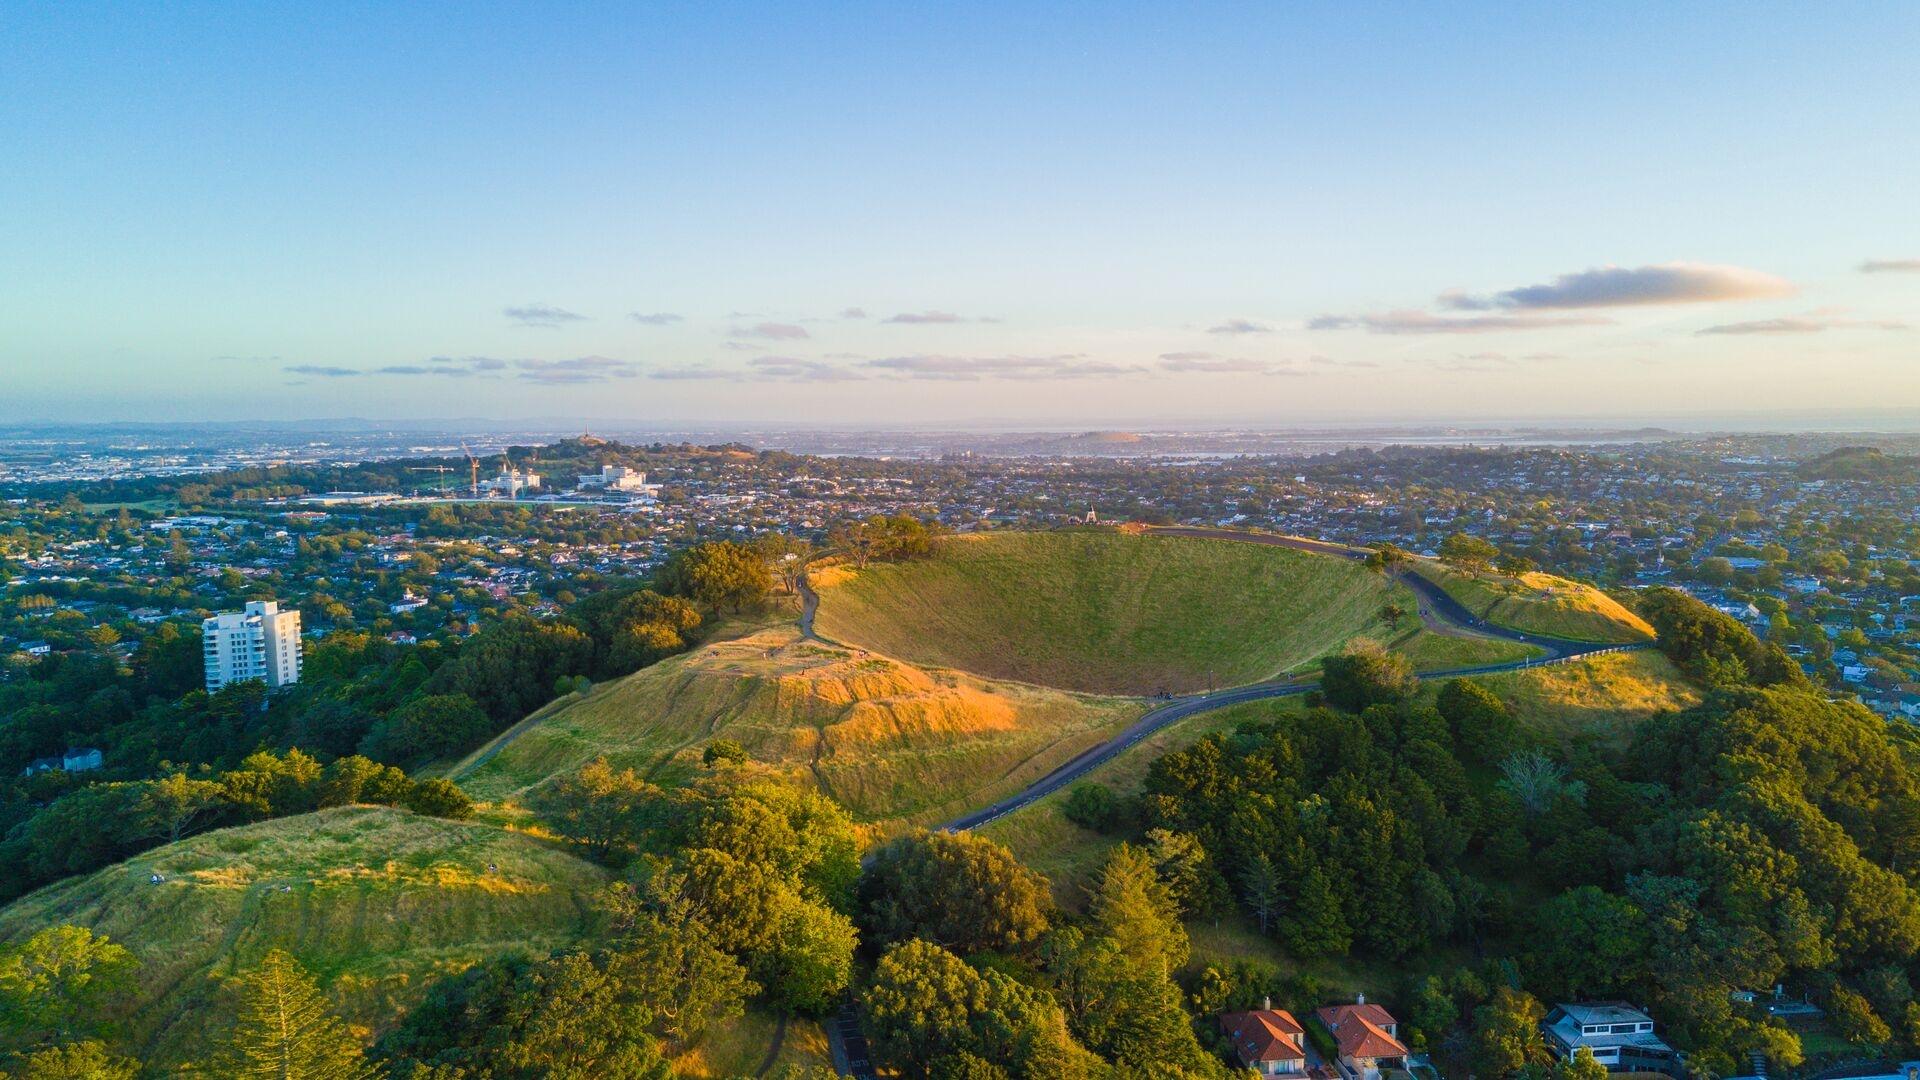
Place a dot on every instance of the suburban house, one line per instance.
(82, 759)
(1267, 1040)
(1620, 1036)
(1367, 1037)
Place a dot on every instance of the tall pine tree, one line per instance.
(285, 1030)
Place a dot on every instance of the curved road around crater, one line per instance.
(1439, 611)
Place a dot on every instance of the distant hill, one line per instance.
(374, 901)
(894, 743)
(1861, 463)
(1103, 612)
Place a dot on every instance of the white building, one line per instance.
(261, 642)
(618, 478)
(511, 482)
(1619, 1035)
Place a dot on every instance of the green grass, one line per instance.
(1443, 652)
(1539, 604)
(376, 903)
(895, 744)
(1105, 612)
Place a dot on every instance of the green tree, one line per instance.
(685, 981)
(597, 808)
(1467, 552)
(570, 1018)
(438, 797)
(1317, 926)
(170, 808)
(86, 1060)
(724, 751)
(1589, 942)
(1365, 674)
(1483, 727)
(719, 574)
(1133, 907)
(1853, 1018)
(430, 726)
(284, 1029)
(1506, 1033)
(1580, 1065)
(960, 890)
(57, 982)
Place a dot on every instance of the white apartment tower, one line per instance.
(261, 642)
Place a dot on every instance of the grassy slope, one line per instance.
(895, 744)
(377, 902)
(1539, 604)
(1109, 613)
(1607, 696)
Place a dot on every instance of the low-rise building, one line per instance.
(1267, 1040)
(1619, 1035)
(1367, 1037)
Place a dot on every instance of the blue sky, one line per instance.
(1083, 212)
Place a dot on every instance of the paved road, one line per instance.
(1436, 605)
(1444, 607)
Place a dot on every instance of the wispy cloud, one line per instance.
(1890, 266)
(474, 363)
(853, 313)
(772, 331)
(444, 367)
(694, 374)
(1240, 326)
(1421, 322)
(793, 369)
(925, 318)
(1623, 286)
(658, 318)
(542, 315)
(1803, 325)
(1186, 363)
(971, 368)
(580, 369)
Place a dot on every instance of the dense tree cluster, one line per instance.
(760, 869)
(1713, 647)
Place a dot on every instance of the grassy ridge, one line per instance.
(1537, 603)
(895, 744)
(1110, 613)
(374, 901)
(1607, 696)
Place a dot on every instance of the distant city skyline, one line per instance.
(866, 214)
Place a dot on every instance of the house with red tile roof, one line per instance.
(1368, 1038)
(1267, 1040)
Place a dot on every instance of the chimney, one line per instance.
(1266, 1004)
(1359, 999)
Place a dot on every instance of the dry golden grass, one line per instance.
(1607, 696)
(736, 1048)
(1539, 603)
(896, 744)
(375, 901)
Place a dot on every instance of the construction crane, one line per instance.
(443, 470)
(473, 464)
